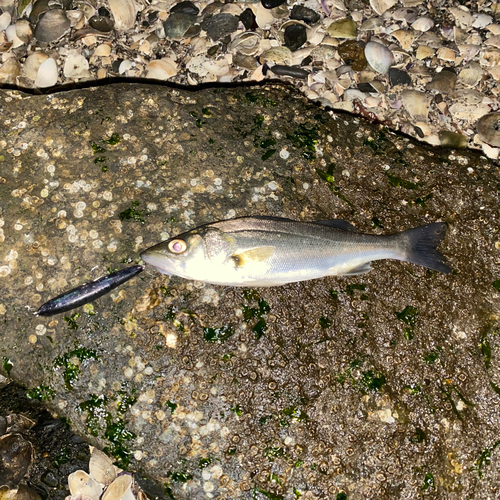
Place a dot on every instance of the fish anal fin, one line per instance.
(362, 269)
(337, 224)
(258, 254)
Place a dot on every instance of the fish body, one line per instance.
(268, 251)
(87, 292)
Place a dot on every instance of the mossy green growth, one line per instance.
(113, 140)
(268, 154)
(41, 393)
(7, 365)
(219, 335)
(171, 406)
(133, 214)
(97, 149)
(204, 462)
(295, 413)
(71, 320)
(341, 495)
(261, 99)
(408, 315)
(395, 181)
(486, 350)
(349, 289)
(267, 494)
(373, 380)
(180, 477)
(305, 138)
(418, 436)
(325, 322)
(431, 357)
(237, 410)
(485, 459)
(258, 313)
(207, 111)
(496, 285)
(272, 452)
(376, 222)
(71, 363)
(95, 408)
(428, 482)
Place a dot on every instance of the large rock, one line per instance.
(383, 385)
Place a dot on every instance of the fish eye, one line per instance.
(177, 246)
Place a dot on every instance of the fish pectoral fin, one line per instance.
(362, 269)
(258, 254)
(338, 224)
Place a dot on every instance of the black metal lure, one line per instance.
(88, 292)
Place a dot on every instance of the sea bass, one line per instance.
(269, 251)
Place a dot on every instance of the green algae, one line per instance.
(496, 285)
(373, 380)
(273, 452)
(484, 459)
(256, 313)
(266, 494)
(41, 393)
(133, 214)
(113, 140)
(237, 410)
(219, 335)
(395, 181)
(171, 406)
(429, 483)
(71, 363)
(204, 462)
(7, 365)
(325, 322)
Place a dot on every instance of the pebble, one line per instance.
(443, 81)
(343, 28)
(399, 77)
(295, 36)
(101, 23)
(293, 71)
(16, 455)
(185, 8)
(177, 24)
(301, 13)
(271, 4)
(247, 17)
(220, 25)
(353, 53)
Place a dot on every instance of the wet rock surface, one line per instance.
(381, 385)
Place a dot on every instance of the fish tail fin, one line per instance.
(421, 246)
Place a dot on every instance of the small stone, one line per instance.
(271, 4)
(101, 23)
(452, 139)
(343, 28)
(50, 479)
(185, 8)
(16, 456)
(220, 25)
(293, 71)
(398, 77)
(353, 54)
(177, 24)
(444, 81)
(295, 36)
(245, 61)
(247, 17)
(488, 129)
(301, 13)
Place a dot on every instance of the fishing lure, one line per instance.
(88, 292)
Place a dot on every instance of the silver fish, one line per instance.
(87, 292)
(268, 251)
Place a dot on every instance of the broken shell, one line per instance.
(379, 57)
(404, 37)
(446, 54)
(247, 43)
(103, 50)
(101, 467)
(5, 20)
(120, 489)
(124, 12)
(263, 17)
(9, 71)
(482, 20)
(278, 55)
(489, 58)
(380, 6)
(24, 31)
(16, 452)
(488, 129)
(32, 64)
(76, 66)
(47, 74)
(423, 24)
(80, 482)
(462, 17)
(343, 28)
(161, 69)
(52, 25)
(470, 76)
(416, 103)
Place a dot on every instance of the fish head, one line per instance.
(190, 255)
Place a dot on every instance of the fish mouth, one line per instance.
(157, 260)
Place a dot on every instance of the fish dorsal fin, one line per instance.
(337, 224)
(258, 254)
(362, 269)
